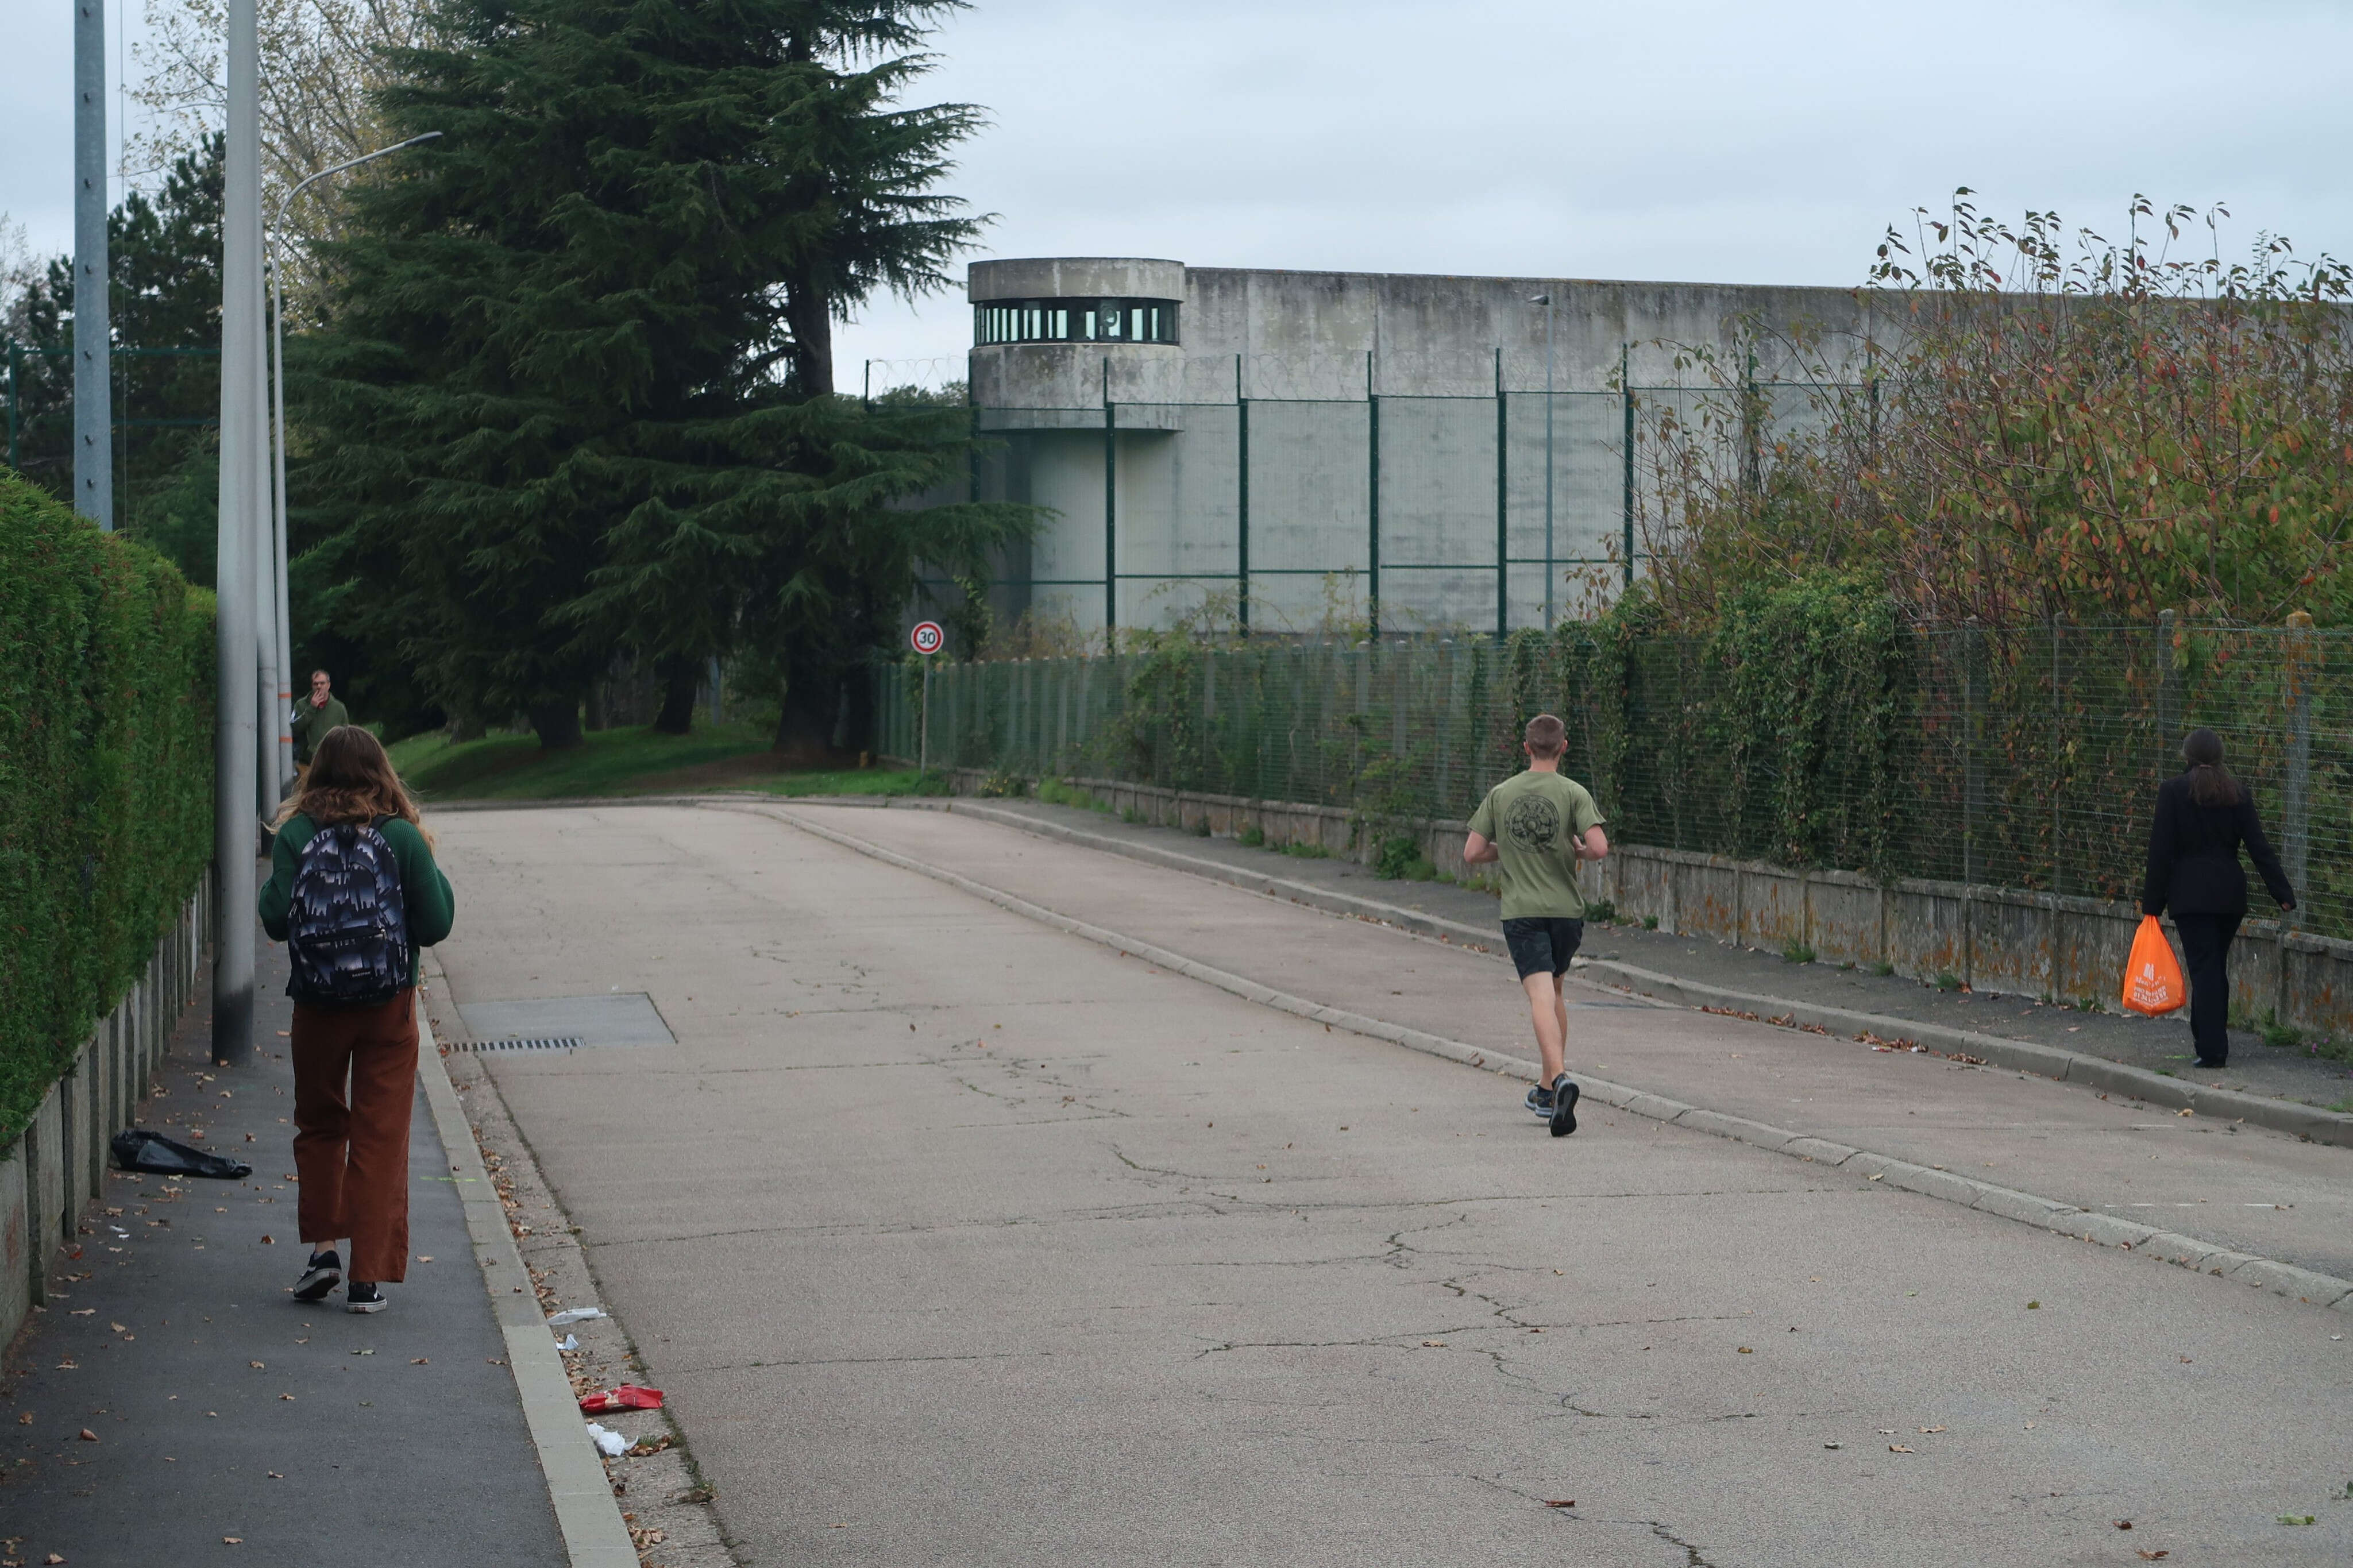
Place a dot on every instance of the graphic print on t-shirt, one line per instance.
(1532, 822)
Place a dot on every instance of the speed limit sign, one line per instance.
(927, 638)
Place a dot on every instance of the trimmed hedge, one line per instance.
(106, 776)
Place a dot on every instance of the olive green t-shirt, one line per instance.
(1536, 820)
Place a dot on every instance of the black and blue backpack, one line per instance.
(346, 923)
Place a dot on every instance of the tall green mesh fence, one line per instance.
(2019, 757)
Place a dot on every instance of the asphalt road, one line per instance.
(955, 1239)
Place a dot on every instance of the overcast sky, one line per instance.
(1717, 140)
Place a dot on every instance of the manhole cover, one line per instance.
(616, 1018)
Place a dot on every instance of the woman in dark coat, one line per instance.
(2203, 816)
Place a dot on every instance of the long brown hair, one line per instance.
(352, 780)
(2210, 784)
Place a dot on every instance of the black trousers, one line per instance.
(2205, 958)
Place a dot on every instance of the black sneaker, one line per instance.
(325, 1272)
(1564, 1107)
(363, 1299)
(1540, 1101)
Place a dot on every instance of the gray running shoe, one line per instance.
(1565, 1095)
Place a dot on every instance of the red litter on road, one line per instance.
(628, 1396)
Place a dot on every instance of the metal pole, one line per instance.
(279, 769)
(1503, 504)
(1111, 512)
(2295, 805)
(1626, 393)
(281, 724)
(1372, 501)
(93, 399)
(233, 827)
(1241, 496)
(1548, 462)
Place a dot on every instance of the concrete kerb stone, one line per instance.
(2022, 1055)
(2007, 1203)
(586, 1510)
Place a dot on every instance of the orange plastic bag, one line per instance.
(2153, 978)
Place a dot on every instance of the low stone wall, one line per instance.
(58, 1162)
(2047, 945)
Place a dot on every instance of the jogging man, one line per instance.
(1540, 824)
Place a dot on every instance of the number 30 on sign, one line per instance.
(927, 638)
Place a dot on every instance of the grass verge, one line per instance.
(638, 760)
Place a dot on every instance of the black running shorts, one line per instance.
(1542, 944)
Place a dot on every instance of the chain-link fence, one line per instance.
(2023, 758)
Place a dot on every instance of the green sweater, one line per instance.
(425, 897)
(311, 724)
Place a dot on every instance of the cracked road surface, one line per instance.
(955, 1239)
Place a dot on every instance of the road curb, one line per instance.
(2054, 1062)
(578, 1490)
(2027, 1208)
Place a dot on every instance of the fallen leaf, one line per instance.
(419, 1361)
(232, 1541)
(285, 1396)
(1887, 1431)
(1897, 1448)
(255, 1365)
(1560, 1502)
(2153, 1556)
(425, 1257)
(1747, 1350)
(1875, 1177)
(268, 1241)
(25, 1419)
(87, 1435)
(53, 1557)
(116, 1327)
(1834, 1444)
(1434, 1344)
(273, 1475)
(2033, 1306)
(1926, 1430)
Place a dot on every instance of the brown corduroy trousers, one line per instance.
(351, 1143)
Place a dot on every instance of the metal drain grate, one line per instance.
(544, 1043)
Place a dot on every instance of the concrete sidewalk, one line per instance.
(2160, 1045)
(226, 1423)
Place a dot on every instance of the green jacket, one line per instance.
(425, 897)
(311, 724)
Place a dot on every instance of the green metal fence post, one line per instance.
(1242, 498)
(1110, 510)
(1372, 499)
(1626, 394)
(1503, 505)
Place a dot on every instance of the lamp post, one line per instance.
(242, 508)
(283, 748)
(1545, 301)
(93, 375)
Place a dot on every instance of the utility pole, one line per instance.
(278, 757)
(93, 360)
(241, 512)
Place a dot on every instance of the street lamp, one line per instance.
(283, 748)
(1545, 301)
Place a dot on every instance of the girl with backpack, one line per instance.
(353, 893)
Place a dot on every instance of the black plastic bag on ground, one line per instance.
(137, 1148)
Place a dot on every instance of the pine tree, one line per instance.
(577, 397)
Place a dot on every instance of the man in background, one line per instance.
(313, 716)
